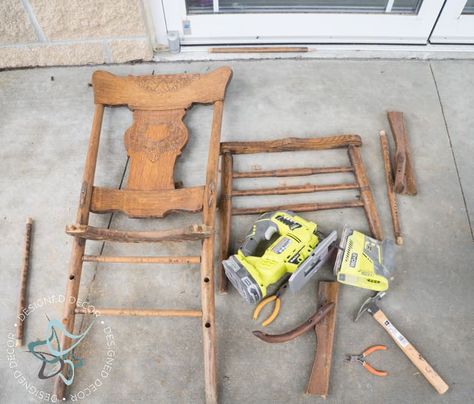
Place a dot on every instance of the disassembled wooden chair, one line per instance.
(350, 142)
(153, 142)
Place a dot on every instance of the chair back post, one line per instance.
(207, 259)
(209, 203)
(90, 166)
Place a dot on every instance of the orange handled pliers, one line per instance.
(276, 309)
(361, 358)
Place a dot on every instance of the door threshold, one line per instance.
(324, 51)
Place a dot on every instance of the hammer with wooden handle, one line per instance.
(370, 306)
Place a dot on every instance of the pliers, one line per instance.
(361, 358)
(276, 309)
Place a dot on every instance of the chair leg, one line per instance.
(366, 196)
(69, 315)
(225, 217)
(208, 320)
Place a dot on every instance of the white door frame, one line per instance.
(302, 27)
(453, 26)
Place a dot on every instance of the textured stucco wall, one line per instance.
(72, 32)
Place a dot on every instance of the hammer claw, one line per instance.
(370, 305)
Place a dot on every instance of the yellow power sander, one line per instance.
(279, 244)
(363, 261)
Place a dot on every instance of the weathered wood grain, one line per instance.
(225, 217)
(154, 142)
(143, 204)
(296, 189)
(207, 260)
(318, 383)
(79, 244)
(404, 182)
(124, 312)
(260, 49)
(291, 144)
(142, 260)
(22, 295)
(366, 193)
(160, 92)
(194, 232)
(291, 172)
(300, 207)
(392, 200)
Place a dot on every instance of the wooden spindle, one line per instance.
(22, 301)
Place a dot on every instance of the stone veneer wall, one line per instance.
(73, 32)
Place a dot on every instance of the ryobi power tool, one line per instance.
(280, 243)
(363, 261)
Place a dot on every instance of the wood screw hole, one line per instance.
(206, 279)
(71, 277)
(207, 325)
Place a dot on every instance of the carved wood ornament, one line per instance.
(154, 142)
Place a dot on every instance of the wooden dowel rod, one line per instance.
(142, 260)
(291, 172)
(139, 312)
(297, 189)
(22, 303)
(193, 232)
(260, 49)
(303, 207)
(390, 188)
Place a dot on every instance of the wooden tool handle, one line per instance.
(417, 359)
(23, 284)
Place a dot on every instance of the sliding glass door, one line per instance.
(301, 21)
(205, 22)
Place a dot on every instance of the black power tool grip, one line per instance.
(262, 231)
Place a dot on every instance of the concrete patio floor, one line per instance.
(44, 127)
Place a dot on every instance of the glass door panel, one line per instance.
(456, 23)
(469, 7)
(272, 6)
